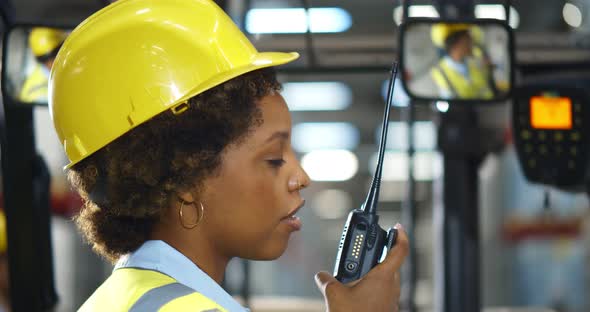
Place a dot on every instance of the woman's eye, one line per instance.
(276, 163)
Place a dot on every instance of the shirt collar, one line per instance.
(159, 256)
(460, 67)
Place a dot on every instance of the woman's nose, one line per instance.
(299, 180)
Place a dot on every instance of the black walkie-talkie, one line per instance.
(363, 240)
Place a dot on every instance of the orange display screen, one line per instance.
(551, 112)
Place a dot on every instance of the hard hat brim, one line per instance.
(259, 61)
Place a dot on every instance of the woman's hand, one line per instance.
(378, 291)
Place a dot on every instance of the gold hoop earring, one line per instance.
(200, 216)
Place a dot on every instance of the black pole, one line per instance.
(244, 13)
(7, 13)
(409, 215)
(409, 272)
(405, 10)
(459, 142)
(246, 282)
(458, 285)
(26, 199)
(507, 4)
(309, 48)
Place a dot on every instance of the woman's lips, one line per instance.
(294, 211)
(293, 222)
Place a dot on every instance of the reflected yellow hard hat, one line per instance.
(137, 58)
(440, 32)
(44, 40)
(477, 35)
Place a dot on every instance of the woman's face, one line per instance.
(249, 203)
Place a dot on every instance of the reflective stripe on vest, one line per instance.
(35, 87)
(133, 289)
(155, 298)
(461, 87)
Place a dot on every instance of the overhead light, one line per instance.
(442, 106)
(312, 136)
(423, 11)
(395, 166)
(427, 166)
(317, 96)
(330, 165)
(331, 204)
(424, 136)
(400, 97)
(414, 11)
(294, 20)
(572, 15)
(397, 136)
(497, 11)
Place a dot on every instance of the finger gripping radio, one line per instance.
(363, 241)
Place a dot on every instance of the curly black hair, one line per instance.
(127, 185)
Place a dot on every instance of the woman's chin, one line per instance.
(267, 253)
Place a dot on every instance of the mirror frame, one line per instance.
(7, 95)
(487, 21)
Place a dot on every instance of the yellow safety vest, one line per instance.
(462, 88)
(135, 290)
(35, 87)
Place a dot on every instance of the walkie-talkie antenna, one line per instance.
(370, 206)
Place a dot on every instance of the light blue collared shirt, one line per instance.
(159, 256)
(461, 68)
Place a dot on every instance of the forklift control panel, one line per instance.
(550, 128)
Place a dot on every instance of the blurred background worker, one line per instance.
(45, 43)
(458, 74)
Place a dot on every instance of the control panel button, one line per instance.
(543, 149)
(532, 163)
(571, 164)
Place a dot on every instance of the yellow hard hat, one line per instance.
(44, 40)
(440, 32)
(477, 35)
(137, 58)
(3, 240)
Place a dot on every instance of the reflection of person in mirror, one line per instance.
(459, 74)
(44, 43)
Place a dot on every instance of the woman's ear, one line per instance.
(186, 196)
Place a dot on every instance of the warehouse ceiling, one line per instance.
(542, 33)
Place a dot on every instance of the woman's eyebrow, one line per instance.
(281, 135)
